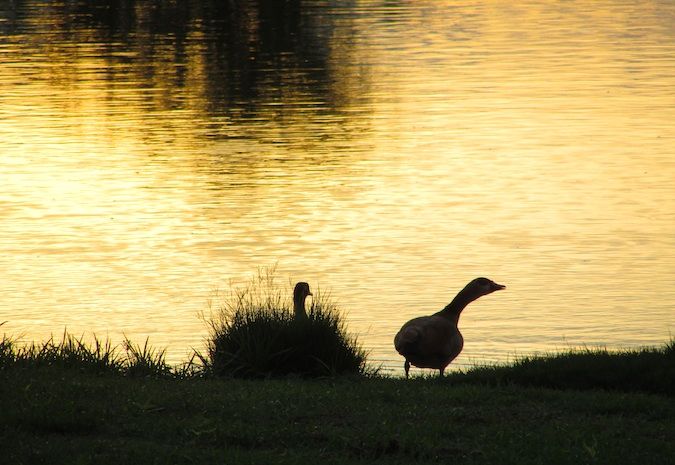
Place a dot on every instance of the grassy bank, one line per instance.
(648, 370)
(55, 413)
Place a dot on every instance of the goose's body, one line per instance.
(300, 293)
(429, 342)
(434, 341)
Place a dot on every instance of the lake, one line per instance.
(154, 154)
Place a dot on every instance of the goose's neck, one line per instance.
(454, 308)
(299, 306)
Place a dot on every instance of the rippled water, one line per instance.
(389, 152)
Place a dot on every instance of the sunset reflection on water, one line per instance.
(388, 154)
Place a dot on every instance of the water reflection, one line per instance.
(242, 63)
(389, 151)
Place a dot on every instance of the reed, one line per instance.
(255, 335)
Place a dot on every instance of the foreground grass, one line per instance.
(56, 414)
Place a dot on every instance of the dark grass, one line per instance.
(650, 369)
(293, 352)
(65, 402)
(53, 415)
(297, 350)
(255, 335)
(97, 356)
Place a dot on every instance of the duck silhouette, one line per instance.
(434, 341)
(300, 293)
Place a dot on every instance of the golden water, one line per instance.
(388, 152)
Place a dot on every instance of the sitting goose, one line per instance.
(434, 341)
(300, 293)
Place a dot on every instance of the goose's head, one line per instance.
(483, 286)
(301, 292)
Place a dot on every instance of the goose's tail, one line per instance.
(406, 339)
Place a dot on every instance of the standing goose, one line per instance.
(434, 341)
(300, 293)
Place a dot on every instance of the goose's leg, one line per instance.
(441, 372)
(406, 367)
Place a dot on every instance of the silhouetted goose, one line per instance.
(434, 341)
(300, 293)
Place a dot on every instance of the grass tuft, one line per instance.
(255, 335)
(69, 352)
(98, 356)
(145, 361)
(649, 369)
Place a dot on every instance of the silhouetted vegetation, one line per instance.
(259, 338)
(57, 416)
(644, 370)
(255, 334)
(72, 402)
(96, 357)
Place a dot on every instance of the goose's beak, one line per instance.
(499, 287)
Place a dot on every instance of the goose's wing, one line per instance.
(408, 337)
(427, 335)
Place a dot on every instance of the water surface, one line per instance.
(388, 152)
